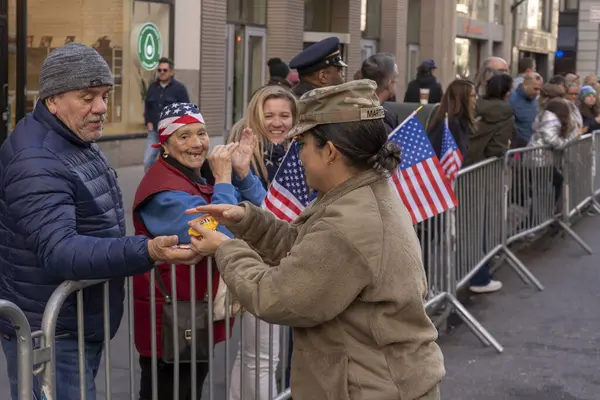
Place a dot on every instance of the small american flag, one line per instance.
(288, 194)
(420, 180)
(451, 156)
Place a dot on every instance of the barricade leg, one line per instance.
(575, 236)
(474, 325)
(24, 348)
(595, 205)
(522, 270)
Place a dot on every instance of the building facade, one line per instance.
(565, 60)
(221, 47)
(537, 32)
(483, 30)
(588, 38)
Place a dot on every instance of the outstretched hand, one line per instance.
(164, 248)
(208, 243)
(221, 212)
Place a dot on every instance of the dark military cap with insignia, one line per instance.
(320, 55)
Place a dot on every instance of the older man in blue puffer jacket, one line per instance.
(62, 218)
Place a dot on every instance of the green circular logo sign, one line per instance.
(149, 46)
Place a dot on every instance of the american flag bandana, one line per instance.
(174, 116)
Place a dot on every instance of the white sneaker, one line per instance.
(491, 287)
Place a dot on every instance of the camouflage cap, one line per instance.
(348, 102)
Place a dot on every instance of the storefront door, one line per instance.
(246, 68)
(4, 70)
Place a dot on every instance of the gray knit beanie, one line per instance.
(73, 66)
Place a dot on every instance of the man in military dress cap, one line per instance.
(320, 65)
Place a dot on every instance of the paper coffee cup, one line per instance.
(424, 96)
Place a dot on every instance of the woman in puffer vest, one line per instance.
(173, 184)
(553, 127)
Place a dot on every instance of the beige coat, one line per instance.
(347, 276)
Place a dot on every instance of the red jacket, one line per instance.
(163, 177)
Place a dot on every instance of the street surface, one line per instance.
(551, 339)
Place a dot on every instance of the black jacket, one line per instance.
(391, 119)
(301, 88)
(412, 94)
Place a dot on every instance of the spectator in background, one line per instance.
(491, 138)
(278, 73)
(293, 78)
(572, 89)
(525, 107)
(495, 121)
(490, 67)
(590, 80)
(165, 90)
(589, 108)
(572, 78)
(553, 128)
(525, 66)
(426, 79)
(382, 69)
(559, 80)
(459, 103)
(572, 95)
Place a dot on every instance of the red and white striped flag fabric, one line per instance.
(288, 193)
(420, 179)
(452, 158)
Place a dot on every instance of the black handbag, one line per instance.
(183, 330)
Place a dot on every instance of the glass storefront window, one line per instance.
(537, 15)
(239, 68)
(370, 19)
(317, 15)
(139, 79)
(499, 12)
(473, 9)
(106, 28)
(462, 58)
(251, 12)
(466, 58)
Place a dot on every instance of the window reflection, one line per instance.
(253, 12)
(370, 19)
(317, 15)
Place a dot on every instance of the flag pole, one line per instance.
(406, 120)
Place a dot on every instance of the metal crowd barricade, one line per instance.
(501, 200)
(595, 166)
(217, 366)
(23, 337)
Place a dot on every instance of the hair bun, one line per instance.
(387, 159)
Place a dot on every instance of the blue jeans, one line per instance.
(151, 153)
(67, 368)
(483, 277)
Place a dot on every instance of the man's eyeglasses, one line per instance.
(163, 70)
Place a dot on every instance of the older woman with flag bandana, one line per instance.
(172, 185)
